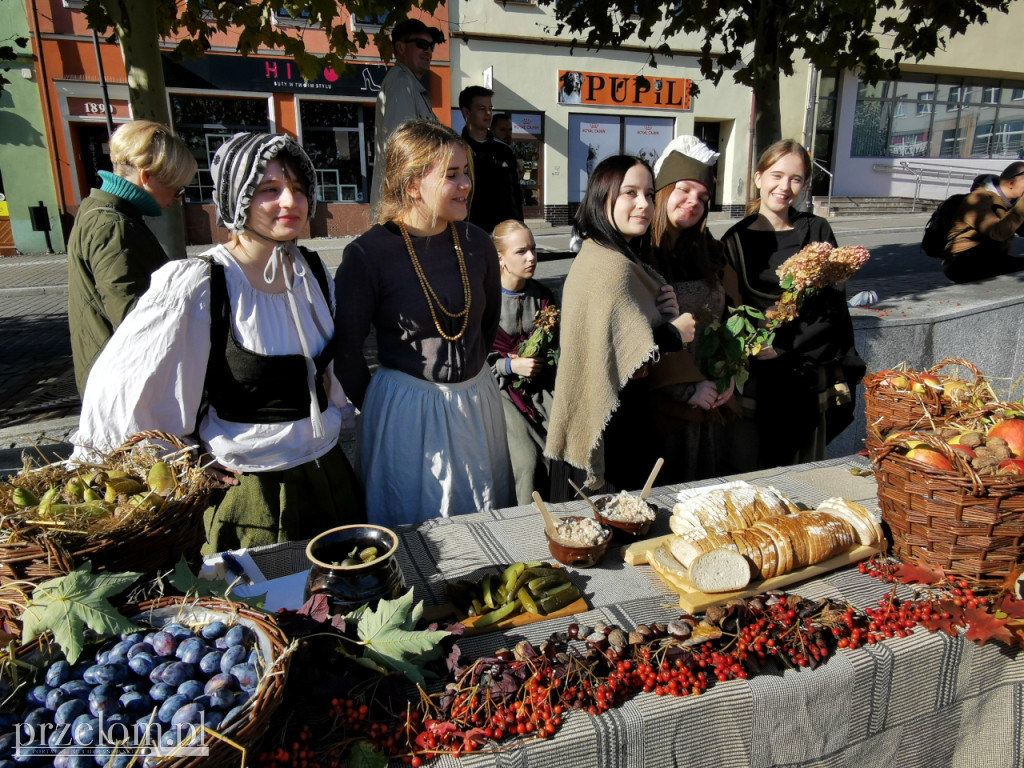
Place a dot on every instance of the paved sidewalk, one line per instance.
(39, 402)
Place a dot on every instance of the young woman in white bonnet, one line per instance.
(691, 411)
(234, 348)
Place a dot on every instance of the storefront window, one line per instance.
(938, 117)
(333, 135)
(205, 122)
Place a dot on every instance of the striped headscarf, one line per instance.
(238, 168)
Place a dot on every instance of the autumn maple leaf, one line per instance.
(911, 573)
(1011, 607)
(1009, 584)
(950, 625)
(983, 626)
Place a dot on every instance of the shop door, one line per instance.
(710, 134)
(94, 154)
(528, 147)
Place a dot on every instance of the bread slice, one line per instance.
(720, 570)
(868, 531)
(781, 545)
(746, 547)
(670, 570)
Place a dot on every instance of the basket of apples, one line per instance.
(954, 497)
(907, 400)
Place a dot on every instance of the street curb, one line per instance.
(35, 290)
(38, 433)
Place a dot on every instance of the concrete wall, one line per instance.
(24, 147)
(980, 322)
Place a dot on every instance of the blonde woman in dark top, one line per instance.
(525, 382)
(800, 395)
(432, 437)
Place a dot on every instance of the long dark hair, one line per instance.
(592, 219)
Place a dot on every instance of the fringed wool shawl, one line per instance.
(608, 310)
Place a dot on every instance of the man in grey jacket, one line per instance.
(402, 95)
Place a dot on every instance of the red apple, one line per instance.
(1012, 467)
(898, 382)
(924, 381)
(962, 449)
(929, 456)
(1012, 431)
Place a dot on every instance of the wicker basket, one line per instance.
(244, 732)
(33, 554)
(241, 732)
(970, 526)
(888, 408)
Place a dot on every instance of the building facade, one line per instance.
(957, 114)
(951, 117)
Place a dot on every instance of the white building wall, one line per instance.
(985, 51)
(515, 43)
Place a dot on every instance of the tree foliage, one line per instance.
(139, 26)
(757, 41)
(8, 52)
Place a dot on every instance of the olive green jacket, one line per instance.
(111, 255)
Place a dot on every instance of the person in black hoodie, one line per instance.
(800, 394)
(497, 195)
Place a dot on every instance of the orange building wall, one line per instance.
(73, 58)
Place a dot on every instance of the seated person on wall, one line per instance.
(979, 241)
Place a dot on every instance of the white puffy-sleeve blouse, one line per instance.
(150, 374)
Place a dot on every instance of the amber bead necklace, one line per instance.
(428, 292)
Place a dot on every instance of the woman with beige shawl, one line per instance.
(618, 316)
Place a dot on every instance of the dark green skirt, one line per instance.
(285, 505)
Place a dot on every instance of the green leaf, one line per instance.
(68, 604)
(735, 324)
(389, 640)
(741, 379)
(188, 583)
(363, 755)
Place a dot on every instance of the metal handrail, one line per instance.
(923, 172)
(831, 180)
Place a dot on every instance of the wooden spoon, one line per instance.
(549, 522)
(584, 496)
(650, 480)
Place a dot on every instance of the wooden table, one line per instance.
(927, 700)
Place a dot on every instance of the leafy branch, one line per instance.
(68, 605)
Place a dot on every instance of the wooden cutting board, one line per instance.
(695, 601)
(433, 613)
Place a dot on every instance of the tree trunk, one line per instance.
(767, 109)
(137, 32)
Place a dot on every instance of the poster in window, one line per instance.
(591, 139)
(647, 137)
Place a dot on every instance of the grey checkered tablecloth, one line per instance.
(928, 700)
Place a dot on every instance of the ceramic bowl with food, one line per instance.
(581, 542)
(625, 513)
(354, 565)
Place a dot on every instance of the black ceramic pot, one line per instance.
(350, 586)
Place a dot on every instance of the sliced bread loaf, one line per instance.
(720, 570)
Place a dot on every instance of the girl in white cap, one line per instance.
(235, 347)
(691, 410)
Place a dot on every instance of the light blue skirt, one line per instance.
(432, 450)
